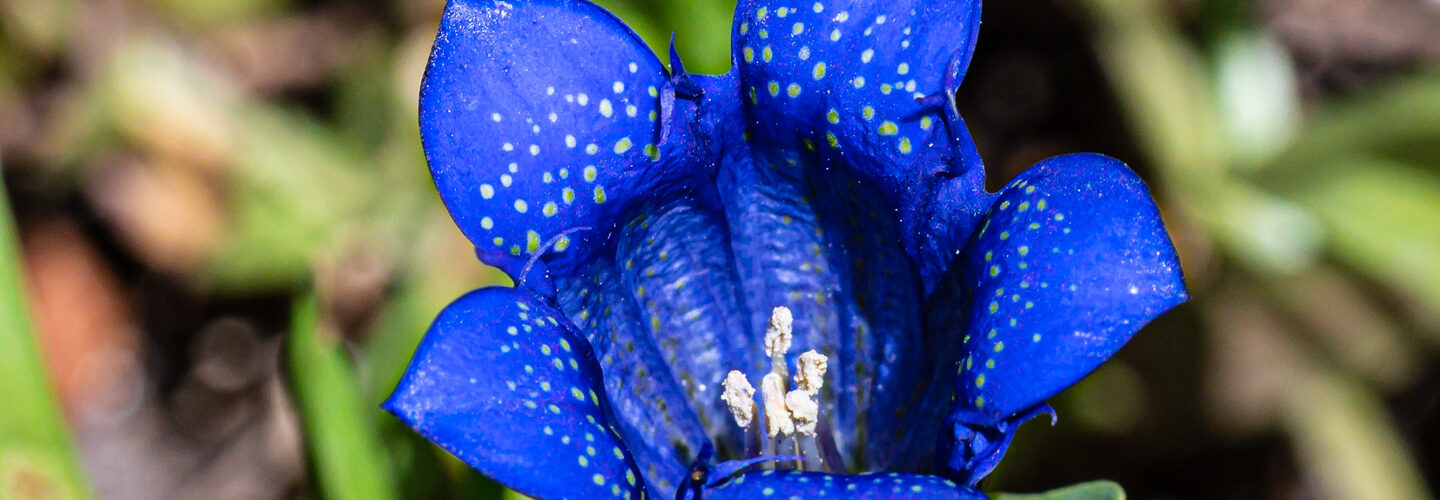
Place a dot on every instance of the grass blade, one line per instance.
(36, 460)
(345, 449)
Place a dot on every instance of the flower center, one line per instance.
(792, 417)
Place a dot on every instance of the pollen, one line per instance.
(777, 415)
(810, 373)
(804, 411)
(779, 334)
(739, 395)
(792, 417)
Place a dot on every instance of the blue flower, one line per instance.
(656, 222)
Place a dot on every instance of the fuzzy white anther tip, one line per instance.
(779, 333)
(810, 376)
(739, 395)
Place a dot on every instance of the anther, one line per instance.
(804, 411)
(778, 336)
(739, 395)
(810, 374)
(809, 378)
(777, 415)
(793, 414)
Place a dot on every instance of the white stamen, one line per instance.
(804, 411)
(739, 395)
(779, 334)
(777, 416)
(788, 414)
(810, 374)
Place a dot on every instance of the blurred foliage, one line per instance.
(36, 460)
(1098, 490)
(239, 150)
(1317, 213)
(349, 461)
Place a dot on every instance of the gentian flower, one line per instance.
(819, 210)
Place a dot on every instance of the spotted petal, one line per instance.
(665, 322)
(506, 384)
(1069, 263)
(866, 85)
(852, 69)
(540, 121)
(789, 484)
(665, 317)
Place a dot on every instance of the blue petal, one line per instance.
(1070, 262)
(880, 162)
(650, 407)
(541, 121)
(939, 217)
(938, 221)
(975, 451)
(811, 234)
(865, 62)
(504, 383)
(678, 265)
(788, 484)
(825, 244)
(667, 323)
(662, 309)
(870, 86)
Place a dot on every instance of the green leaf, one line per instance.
(295, 189)
(701, 29)
(1380, 218)
(1094, 490)
(213, 13)
(1166, 87)
(1346, 441)
(1266, 232)
(340, 430)
(1399, 121)
(36, 460)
